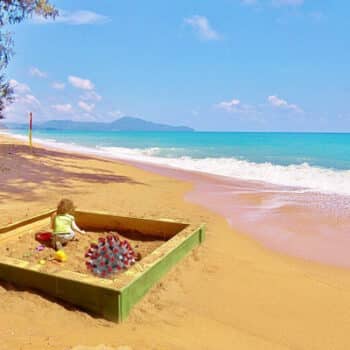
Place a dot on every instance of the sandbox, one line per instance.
(161, 244)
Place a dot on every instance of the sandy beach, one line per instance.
(230, 293)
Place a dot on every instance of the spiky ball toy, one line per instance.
(109, 255)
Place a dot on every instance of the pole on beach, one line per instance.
(30, 130)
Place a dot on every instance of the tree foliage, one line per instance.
(12, 12)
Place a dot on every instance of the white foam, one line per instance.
(303, 176)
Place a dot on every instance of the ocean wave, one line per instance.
(302, 176)
(295, 175)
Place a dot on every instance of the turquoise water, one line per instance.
(316, 149)
(317, 161)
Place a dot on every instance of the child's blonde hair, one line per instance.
(65, 206)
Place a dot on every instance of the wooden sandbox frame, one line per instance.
(110, 299)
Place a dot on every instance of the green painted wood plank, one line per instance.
(132, 293)
(91, 294)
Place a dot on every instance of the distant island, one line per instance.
(122, 124)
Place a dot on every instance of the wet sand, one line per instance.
(232, 292)
(298, 222)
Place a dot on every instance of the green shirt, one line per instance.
(63, 224)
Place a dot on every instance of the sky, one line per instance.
(223, 65)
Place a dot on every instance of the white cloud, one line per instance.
(80, 83)
(235, 106)
(27, 99)
(23, 104)
(64, 108)
(58, 86)
(24, 101)
(91, 96)
(86, 106)
(74, 18)
(19, 88)
(36, 72)
(280, 103)
(230, 106)
(203, 28)
(240, 110)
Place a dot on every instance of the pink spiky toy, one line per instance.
(109, 255)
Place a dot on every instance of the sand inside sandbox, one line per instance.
(24, 247)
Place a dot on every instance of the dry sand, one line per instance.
(25, 247)
(230, 293)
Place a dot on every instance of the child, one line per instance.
(63, 224)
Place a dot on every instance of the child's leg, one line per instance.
(56, 242)
(62, 239)
(69, 236)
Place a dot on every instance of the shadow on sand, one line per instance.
(23, 172)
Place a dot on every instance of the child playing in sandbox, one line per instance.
(63, 224)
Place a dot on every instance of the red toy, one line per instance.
(43, 236)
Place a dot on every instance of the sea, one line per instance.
(289, 191)
(314, 161)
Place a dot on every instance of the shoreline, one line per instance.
(261, 210)
(230, 292)
(297, 176)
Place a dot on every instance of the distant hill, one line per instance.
(122, 124)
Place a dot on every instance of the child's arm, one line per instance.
(76, 228)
